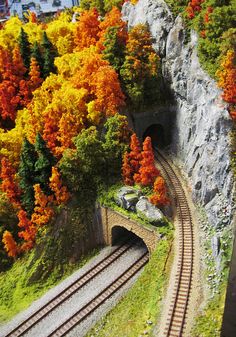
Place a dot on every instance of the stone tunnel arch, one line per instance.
(157, 134)
(111, 219)
(117, 230)
(119, 233)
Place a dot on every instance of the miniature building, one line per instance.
(18, 7)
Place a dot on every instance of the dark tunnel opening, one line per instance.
(157, 134)
(121, 234)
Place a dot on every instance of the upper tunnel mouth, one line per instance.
(157, 134)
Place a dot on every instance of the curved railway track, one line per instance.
(176, 320)
(67, 292)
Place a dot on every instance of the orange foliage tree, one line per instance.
(29, 231)
(10, 244)
(43, 211)
(193, 7)
(9, 184)
(34, 74)
(131, 161)
(127, 172)
(14, 91)
(112, 19)
(61, 193)
(159, 198)
(147, 172)
(227, 80)
(87, 29)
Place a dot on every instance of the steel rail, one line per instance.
(67, 292)
(177, 313)
(104, 295)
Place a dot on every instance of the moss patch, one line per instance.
(142, 304)
(209, 324)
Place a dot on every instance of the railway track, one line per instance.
(40, 314)
(176, 320)
(105, 294)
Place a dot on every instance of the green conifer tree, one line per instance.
(44, 163)
(24, 48)
(49, 55)
(26, 173)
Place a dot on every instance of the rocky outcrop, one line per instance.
(145, 209)
(127, 198)
(200, 137)
(154, 13)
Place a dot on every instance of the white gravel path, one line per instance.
(80, 298)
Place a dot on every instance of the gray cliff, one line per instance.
(200, 135)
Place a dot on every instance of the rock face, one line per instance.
(202, 124)
(156, 14)
(152, 213)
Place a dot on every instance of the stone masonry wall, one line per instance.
(111, 219)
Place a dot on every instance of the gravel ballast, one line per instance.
(80, 298)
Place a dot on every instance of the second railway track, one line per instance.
(67, 292)
(175, 323)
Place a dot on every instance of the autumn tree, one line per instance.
(10, 244)
(8, 221)
(159, 198)
(34, 75)
(43, 165)
(9, 184)
(87, 29)
(118, 30)
(227, 80)
(28, 230)
(9, 99)
(24, 48)
(147, 172)
(131, 161)
(19, 68)
(127, 172)
(194, 6)
(140, 68)
(43, 211)
(89, 4)
(26, 174)
(60, 192)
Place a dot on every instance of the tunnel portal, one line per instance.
(157, 134)
(121, 234)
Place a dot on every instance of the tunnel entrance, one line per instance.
(157, 134)
(121, 234)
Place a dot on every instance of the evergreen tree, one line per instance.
(43, 165)
(36, 53)
(48, 56)
(24, 48)
(26, 173)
